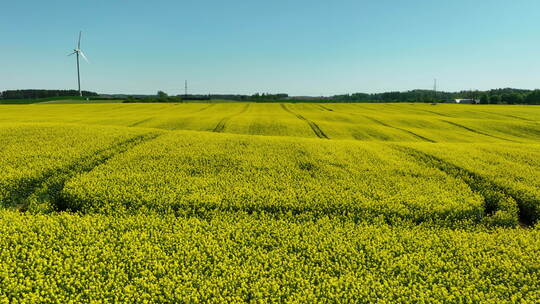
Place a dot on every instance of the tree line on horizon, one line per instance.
(494, 96)
(38, 93)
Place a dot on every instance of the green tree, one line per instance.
(484, 99)
(533, 97)
(162, 94)
(513, 98)
(496, 99)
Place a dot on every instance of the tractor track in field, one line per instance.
(397, 128)
(220, 127)
(204, 109)
(509, 116)
(137, 123)
(436, 113)
(180, 122)
(400, 129)
(325, 108)
(476, 131)
(47, 188)
(314, 127)
(420, 110)
(140, 122)
(496, 197)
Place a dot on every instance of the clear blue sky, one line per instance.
(296, 46)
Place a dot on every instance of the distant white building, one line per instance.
(465, 101)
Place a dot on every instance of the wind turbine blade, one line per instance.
(83, 56)
(79, 44)
(71, 53)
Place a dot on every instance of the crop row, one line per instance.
(37, 159)
(513, 169)
(119, 170)
(366, 122)
(234, 257)
(191, 172)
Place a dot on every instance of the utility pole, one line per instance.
(435, 88)
(185, 89)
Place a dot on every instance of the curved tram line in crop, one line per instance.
(220, 127)
(46, 190)
(499, 203)
(475, 131)
(316, 129)
(400, 129)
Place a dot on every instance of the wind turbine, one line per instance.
(78, 52)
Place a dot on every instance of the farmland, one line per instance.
(259, 202)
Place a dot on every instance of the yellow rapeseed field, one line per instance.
(269, 202)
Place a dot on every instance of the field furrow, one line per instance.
(220, 127)
(316, 129)
(511, 169)
(46, 193)
(49, 151)
(500, 206)
(400, 129)
(475, 131)
(184, 172)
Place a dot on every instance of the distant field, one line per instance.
(78, 101)
(364, 122)
(57, 100)
(292, 202)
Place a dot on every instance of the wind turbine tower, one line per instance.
(78, 52)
